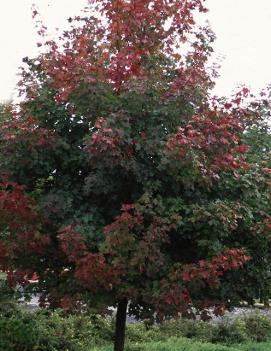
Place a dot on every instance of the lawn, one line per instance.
(184, 344)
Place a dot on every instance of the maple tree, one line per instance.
(123, 181)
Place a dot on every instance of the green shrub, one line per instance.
(226, 332)
(102, 328)
(17, 334)
(52, 331)
(139, 333)
(258, 327)
(45, 330)
(58, 331)
(204, 331)
(231, 332)
(253, 328)
(199, 330)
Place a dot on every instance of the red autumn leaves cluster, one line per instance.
(115, 48)
(91, 268)
(213, 270)
(20, 218)
(20, 235)
(214, 137)
(107, 139)
(17, 131)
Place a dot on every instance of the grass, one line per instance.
(265, 346)
(184, 344)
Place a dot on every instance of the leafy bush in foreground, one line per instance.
(252, 328)
(46, 330)
(258, 327)
(52, 331)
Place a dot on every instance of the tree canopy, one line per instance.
(124, 180)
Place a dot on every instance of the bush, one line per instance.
(82, 331)
(258, 327)
(203, 331)
(52, 331)
(253, 328)
(177, 328)
(100, 328)
(241, 330)
(45, 330)
(231, 332)
(139, 333)
(17, 334)
(198, 330)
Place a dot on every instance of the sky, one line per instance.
(242, 28)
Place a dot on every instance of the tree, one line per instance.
(128, 170)
(256, 276)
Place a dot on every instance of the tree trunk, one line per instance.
(120, 325)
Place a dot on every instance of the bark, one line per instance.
(120, 325)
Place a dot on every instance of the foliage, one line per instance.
(232, 333)
(258, 327)
(51, 331)
(255, 327)
(46, 330)
(16, 334)
(123, 179)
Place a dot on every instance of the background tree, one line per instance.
(134, 186)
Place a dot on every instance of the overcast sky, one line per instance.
(242, 27)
